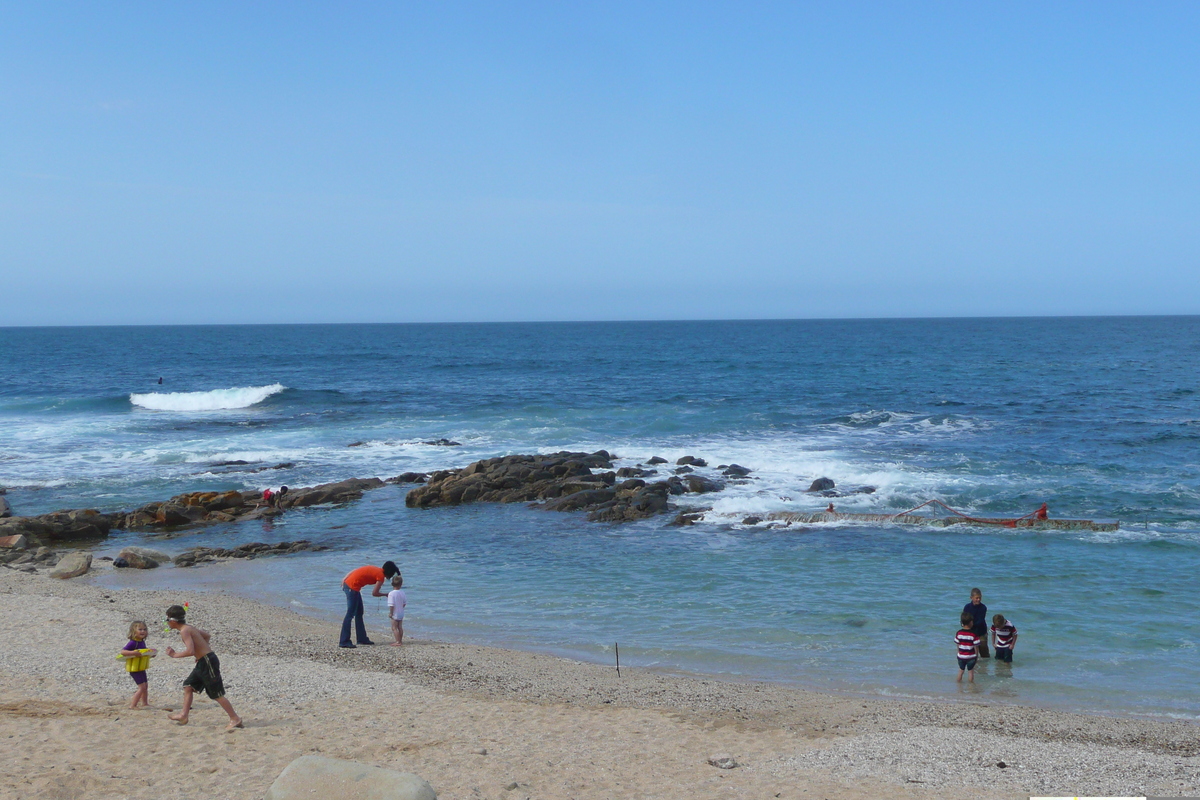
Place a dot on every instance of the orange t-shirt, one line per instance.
(363, 576)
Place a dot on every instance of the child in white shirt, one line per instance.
(396, 602)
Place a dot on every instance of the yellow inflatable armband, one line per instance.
(138, 663)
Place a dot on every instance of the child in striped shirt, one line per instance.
(968, 646)
(1004, 638)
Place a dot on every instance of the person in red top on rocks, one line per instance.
(352, 586)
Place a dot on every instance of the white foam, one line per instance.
(216, 400)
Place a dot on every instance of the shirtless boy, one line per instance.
(207, 673)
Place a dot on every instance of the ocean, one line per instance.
(1098, 417)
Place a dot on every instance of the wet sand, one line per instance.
(480, 722)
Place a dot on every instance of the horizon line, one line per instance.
(601, 321)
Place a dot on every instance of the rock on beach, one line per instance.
(72, 565)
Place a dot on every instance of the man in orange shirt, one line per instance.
(352, 586)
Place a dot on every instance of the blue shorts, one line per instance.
(967, 663)
(1004, 654)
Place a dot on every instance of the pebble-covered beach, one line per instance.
(482, 722)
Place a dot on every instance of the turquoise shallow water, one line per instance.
(1098, 417)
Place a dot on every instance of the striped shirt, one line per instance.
(967, 642)
(1005, 634)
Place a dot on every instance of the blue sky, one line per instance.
(302, 162)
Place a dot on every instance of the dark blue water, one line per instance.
(1098, 417)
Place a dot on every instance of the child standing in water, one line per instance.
(968, 647)
(396, 602)
(1004, 638)
(978, 612)
(137, 661)
(207, 673)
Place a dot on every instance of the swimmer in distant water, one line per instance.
(830, 509)
(160, 380)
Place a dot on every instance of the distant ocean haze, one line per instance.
(1099, 417)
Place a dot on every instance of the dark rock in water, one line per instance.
(120, 563)
(656, 460)
(847, 492)
(359, 443)
(735, 471)
(443, 443)
(684, 518)
(751, 520)
(581, 500)
(514, 479)
(695, 462)
(409, 477)
(235, 463)
(283, 465)
(699, 485)
(634, 472)
(821, 485)
(5, 508)
(683, 470)
(200, 555)
(632, 483)
(635, 502)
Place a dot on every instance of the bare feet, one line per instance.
(234, 725)
(180, 718)
(394, 644)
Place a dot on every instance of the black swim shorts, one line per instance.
(1004, 654)
(967, 663)
(207, 676)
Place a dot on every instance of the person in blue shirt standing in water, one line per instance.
(978, 610)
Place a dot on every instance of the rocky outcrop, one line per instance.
(443, 443)
(558, 482)
(28, 559)
(5, 508)
(340, 492)
(59, 527)
(654, 460)
(200, 555)
(570, 479)
(318, 776)
(514, 479)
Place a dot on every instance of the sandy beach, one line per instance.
(480, 722)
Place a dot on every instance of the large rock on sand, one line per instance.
(143, 557)
(72, 565)
(321, 778)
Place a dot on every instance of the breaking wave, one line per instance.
(216, 400)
